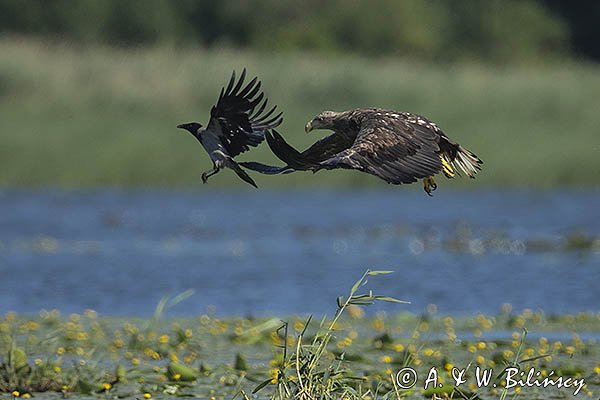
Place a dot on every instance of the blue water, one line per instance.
(260, 252)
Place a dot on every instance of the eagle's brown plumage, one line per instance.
(398, 147)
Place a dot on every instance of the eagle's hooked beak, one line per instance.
(308, 127)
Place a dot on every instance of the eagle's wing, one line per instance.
(327, 147)
(392, 148)
(239, 117)
(296, 161)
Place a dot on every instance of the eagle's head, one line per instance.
(191, 127)
(325, 120)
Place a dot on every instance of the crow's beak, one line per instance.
(308, 127)
(182, 126)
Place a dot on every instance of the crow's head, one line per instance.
(191, 127)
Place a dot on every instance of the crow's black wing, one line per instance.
(239, 117)
(393, 148)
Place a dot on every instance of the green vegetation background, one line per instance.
(90, 92)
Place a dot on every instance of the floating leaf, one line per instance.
(180, 372)
(379, 272)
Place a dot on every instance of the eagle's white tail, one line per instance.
(468, 162)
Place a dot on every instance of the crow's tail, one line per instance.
(241, 173)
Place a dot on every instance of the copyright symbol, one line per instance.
(406, 378)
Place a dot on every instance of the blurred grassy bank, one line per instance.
(75, 116)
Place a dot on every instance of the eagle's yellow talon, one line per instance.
(429, 185)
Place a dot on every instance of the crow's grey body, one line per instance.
(237, 122)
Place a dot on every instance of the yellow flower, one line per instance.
(597, 370)
(530, 352)
(188, 333)
(448, 366)
(176, 377)
(398, 348)
(570, 350)
(38, 361)
(74, 317)
(106, 386)
(427, 352)
(147, 396)
(386, 359)
(355, 312)
(57, 369)
(26, 396)
(275, 375)
(480, 360)
(557, 345)
(378, 324)
(472, 349)
(135, 361)
(189, 358)
(481, 345)
(16, 393)
(31, 326)
(163, 339)
(173, 357)
(60, 350)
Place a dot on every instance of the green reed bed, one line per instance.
(74, 115)
(346, 356)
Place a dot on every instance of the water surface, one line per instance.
(260, 252)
